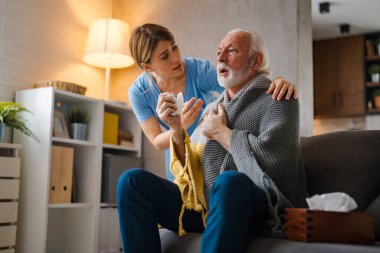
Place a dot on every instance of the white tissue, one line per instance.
(179, 104)
(336, 201)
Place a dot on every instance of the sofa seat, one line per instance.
(346, 161)
(172, 243)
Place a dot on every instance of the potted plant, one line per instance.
(78, 119)
(374, 72)
(376, 98)
(9, 117)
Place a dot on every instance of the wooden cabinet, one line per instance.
(339, 77)
(66, 227)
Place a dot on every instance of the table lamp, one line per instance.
(107, 47)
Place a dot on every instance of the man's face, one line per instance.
(234, 66)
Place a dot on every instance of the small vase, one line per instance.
(375, 77)
(78, 131)
(2, 131)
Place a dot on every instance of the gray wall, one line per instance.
(199, 25)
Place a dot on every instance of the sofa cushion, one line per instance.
(374, 209)
(346, 161)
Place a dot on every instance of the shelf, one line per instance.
(73, 141)
(373, 111)
(373, 58)
(373, 84)
(70, 205)
(118, 147)
(106, 205)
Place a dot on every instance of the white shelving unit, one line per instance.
(66, 227)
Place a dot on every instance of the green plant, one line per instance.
(78, 115)
(373, 69)
(376, 41)
(9, 115)
(376, 93)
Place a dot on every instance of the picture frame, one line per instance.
(59, 125)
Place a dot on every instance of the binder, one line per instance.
(54, 175)
(66, 174)
(61, 174)
(110, 128)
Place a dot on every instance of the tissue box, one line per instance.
(326, 226)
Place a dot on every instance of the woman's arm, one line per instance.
(152, 130)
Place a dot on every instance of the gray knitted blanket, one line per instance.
(264, 146)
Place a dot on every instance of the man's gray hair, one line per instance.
(257, 45)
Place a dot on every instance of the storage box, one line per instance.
(110, 128)
(113, 166)
(325, 226)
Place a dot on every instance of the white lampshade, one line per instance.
(107, 44)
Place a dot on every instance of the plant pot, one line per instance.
(78, 131)
(375, 77)
(2, 131)
(376, 100)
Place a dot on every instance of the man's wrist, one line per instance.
(177, 134)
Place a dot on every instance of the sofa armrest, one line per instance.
(374, 209)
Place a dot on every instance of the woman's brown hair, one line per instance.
(144, 40)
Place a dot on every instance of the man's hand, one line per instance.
(191, 111)
(215, 127)
(165, 107)
(279, 87)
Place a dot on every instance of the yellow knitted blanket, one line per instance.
(189, 178)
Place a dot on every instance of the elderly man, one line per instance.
(234, 175)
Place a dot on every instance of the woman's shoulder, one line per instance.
(140, 84)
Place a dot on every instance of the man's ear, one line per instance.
(258, 61)
(146, 66)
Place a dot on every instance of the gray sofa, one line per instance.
(347, 161)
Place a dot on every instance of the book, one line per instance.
(370, 47)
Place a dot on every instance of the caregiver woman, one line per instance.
(154, 49)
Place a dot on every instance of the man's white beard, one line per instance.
(235, 77)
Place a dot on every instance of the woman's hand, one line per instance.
(279, 87)
(191, 111)
(165, 107)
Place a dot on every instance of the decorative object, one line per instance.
(59, 125)
(374, 71)
(9, 116)
(78, 119)
(377, 45)
(107, 47)
(376, 98)
(370, 47)
(125, 138)
(61, 85)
